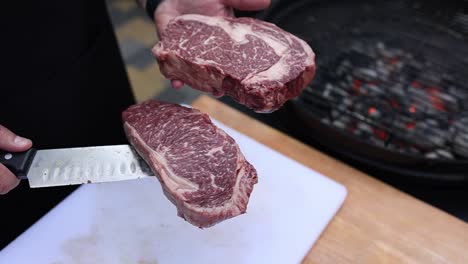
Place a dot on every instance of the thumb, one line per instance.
(247, 5)
(8, 181)
(165, 12)
(9, 141)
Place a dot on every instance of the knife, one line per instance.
(69, 166)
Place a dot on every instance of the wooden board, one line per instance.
(377, 223)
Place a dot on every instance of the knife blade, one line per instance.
(70, 166)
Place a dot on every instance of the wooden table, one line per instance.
(377, 223)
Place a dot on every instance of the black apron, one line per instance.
(64, 84)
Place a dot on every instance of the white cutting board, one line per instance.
(133, 222)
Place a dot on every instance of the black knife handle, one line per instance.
(18, 162)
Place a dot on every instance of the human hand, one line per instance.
(9, 141)
(168, 9)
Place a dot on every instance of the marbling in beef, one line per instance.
(255, 62)
(201, 168)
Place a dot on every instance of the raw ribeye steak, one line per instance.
(255, 62)
(201, 168)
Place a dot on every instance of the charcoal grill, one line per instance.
(391, 89)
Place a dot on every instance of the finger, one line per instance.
(8, 181)
(9, 141)
(247, 5)
(163, 14)
(176, 84)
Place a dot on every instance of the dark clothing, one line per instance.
(65, 85)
